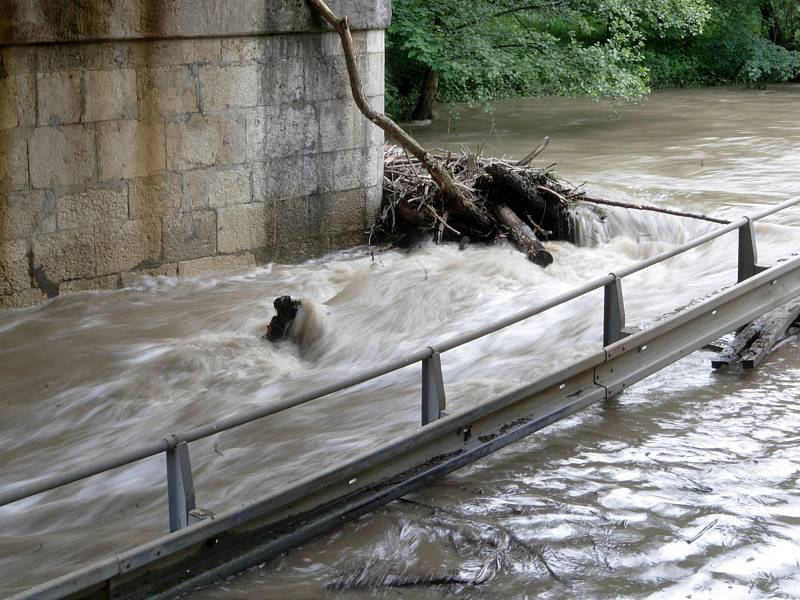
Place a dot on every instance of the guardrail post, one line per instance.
(180, 486)
(613, 312)
(747, 251)
(433, 398)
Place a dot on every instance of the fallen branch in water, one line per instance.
(458, 199)
(647, 207)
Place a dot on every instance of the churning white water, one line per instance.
(685, 485)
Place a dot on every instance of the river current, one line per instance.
(684, 486)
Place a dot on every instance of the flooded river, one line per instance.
(684, 486)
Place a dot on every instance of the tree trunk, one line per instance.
(752, 344)
(523, 195)
(523, 237)
(427, 96)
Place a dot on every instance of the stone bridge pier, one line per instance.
(175, 137)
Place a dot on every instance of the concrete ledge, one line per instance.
(35, 21)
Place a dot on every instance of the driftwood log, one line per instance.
(523, 237)
(753, 342)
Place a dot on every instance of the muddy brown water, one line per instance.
(684, 486)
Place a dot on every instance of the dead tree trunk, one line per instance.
(458, 201)
(427, 96)
(548, 215)
(523, 236)
(752, 344)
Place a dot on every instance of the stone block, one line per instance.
(232, 86)
(23, 299)
(346, 170)
(109, 282)
(194, 195)
(375, 41)
(300, 250)
(92, 206)
(130, 148)
(229, 187)
(18, 60)
(53, 58)
(342, 126)
(167, 91)
(277, 131)
(327, 79)
(330, 44)
(216, 188)
(348, 239)
(374, 204)
(62, 156)
(288, 177)
(245, 227)
(291, 220)
(63, 255)
(283, 81)
(246, 50)
(124, 245)
(14, 269)
(13, 160)
(216, 264)
(59, 98)
(23, 214)
(375, 135)
(294, 46)
(156, 53)
(201, 51)
(18, 101)
(110, 95)
(131, 278)
(373, 170)
(374, 74)
(190, 235)
(338, 213)
(198, 141)
(379, 104)
(155, 196)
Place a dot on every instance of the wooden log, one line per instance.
(752, 343)
(523, 236)
(522, 191)
(774, 328)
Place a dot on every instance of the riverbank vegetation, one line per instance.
(450, 51)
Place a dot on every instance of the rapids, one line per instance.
(684, 485)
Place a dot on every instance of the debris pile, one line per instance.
(511, 199)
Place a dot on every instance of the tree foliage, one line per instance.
(489, 49)
(738, 45)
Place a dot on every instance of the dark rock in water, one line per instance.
(286, 311)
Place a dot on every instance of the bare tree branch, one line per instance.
(457, 200)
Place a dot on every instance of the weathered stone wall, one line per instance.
(214, 149)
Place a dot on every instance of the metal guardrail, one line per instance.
(179, 472)
(180, 486)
